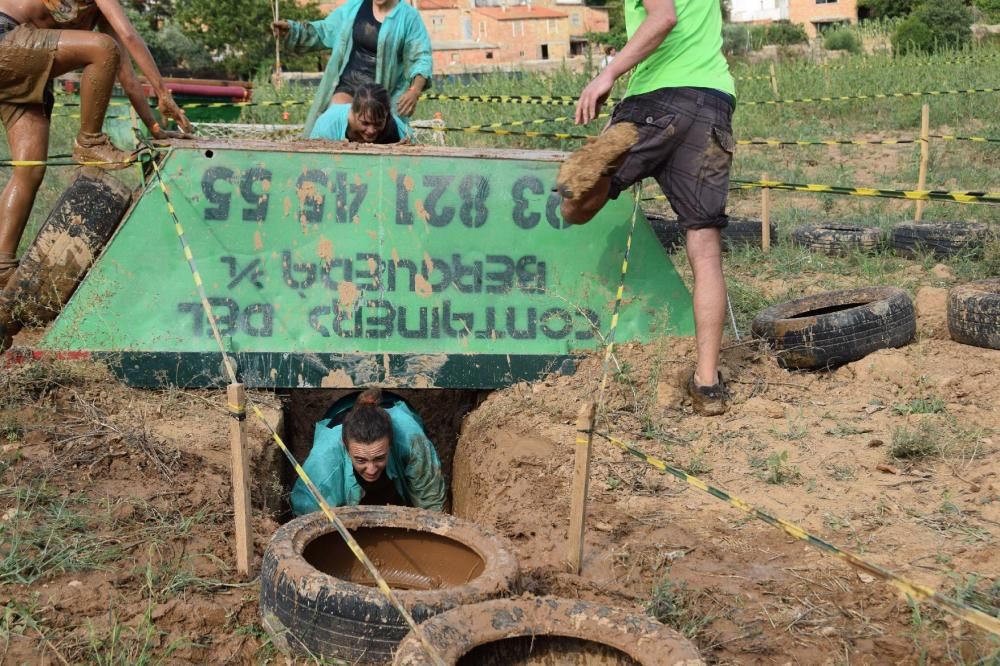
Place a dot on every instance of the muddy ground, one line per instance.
(116, 521)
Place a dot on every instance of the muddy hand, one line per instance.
(170, 111)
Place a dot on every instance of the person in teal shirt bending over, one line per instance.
(371, 41)
(365, 453)
(365, 120)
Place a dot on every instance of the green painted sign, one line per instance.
(416, 267)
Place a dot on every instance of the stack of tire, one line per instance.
(740, 232)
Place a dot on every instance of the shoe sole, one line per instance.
(581, 171)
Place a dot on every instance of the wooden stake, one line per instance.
(774, 82)
(241, 476)
(765, 217)
(581, 479)
(925, 154)
(277, 50)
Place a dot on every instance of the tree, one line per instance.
(238, 32)
(933, 26)
(889, 8)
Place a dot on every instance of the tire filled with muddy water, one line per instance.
(317, 598)
(546, 630)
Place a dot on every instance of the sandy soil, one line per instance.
(140, 480)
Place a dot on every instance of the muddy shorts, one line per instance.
(26, 57)
(686, 144)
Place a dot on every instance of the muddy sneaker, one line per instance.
(99, 150)
(708, 400)
(581, 170)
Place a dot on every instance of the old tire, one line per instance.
(746, 232)
(75, 232)
(974, 313)
(308, 611)
(738, 233)
(941, 239)
(550, 631)
(836, 327)
(836, 239)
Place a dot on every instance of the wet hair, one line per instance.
(371, 101)
(367, 422)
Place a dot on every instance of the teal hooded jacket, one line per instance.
(413, 466)
(404, 51)
(332, 124)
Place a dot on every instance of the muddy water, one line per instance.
(545, 651)
(408, 559)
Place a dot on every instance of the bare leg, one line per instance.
(704, 251)
(28, 137)
(341, 98)
(97, 53)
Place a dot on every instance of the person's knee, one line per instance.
(576, 214)
(704, 244)
(29, 177)
(107, 49)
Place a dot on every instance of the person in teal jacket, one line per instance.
(374, 41)
(365, 120)
(371, 455)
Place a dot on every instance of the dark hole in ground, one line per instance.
(441, 410)
(408, 559)
(544, 649)
(827, 310)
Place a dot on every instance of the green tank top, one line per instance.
(690, 56)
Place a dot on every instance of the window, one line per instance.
(482, 29)
(575, 20)
(550, 26)
(454, 57)
(826, 2)
(489, 55)
(437, 22)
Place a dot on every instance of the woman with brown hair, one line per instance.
(43, 39)
(371, 448)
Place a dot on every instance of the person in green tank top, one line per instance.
(674, 125)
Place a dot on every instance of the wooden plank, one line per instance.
(581, 480)
(241, 476)
(925, 154)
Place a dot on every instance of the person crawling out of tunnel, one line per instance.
(367, 119)
(370, 448)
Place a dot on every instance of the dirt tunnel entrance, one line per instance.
(442, 411)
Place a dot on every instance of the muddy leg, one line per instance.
(97, 53)
(584, 208)
(28, 137)
(704, 250)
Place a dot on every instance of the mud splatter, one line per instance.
(348, 293)
(258, 241)
(324, 249)
(337, 379)
(422, 286)
(408, 183)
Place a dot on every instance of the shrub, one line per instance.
(989, 8)
(933, 26)
(842, 39)
(784, 33)
(735, 39)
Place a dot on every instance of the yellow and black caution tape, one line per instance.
(324, 506)
(538, 100)
(911, 589)
(212, 105)
(505, 132)
(892, 95)
(952, 137)
(935, 63)
(918, 195)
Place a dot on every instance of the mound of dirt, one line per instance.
(819, 449)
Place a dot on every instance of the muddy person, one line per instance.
(370, 448)
(43, 39)
(371, 41)
(675, 125)
(367, 119)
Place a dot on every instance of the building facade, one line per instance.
(478, 35)
(813, 15)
